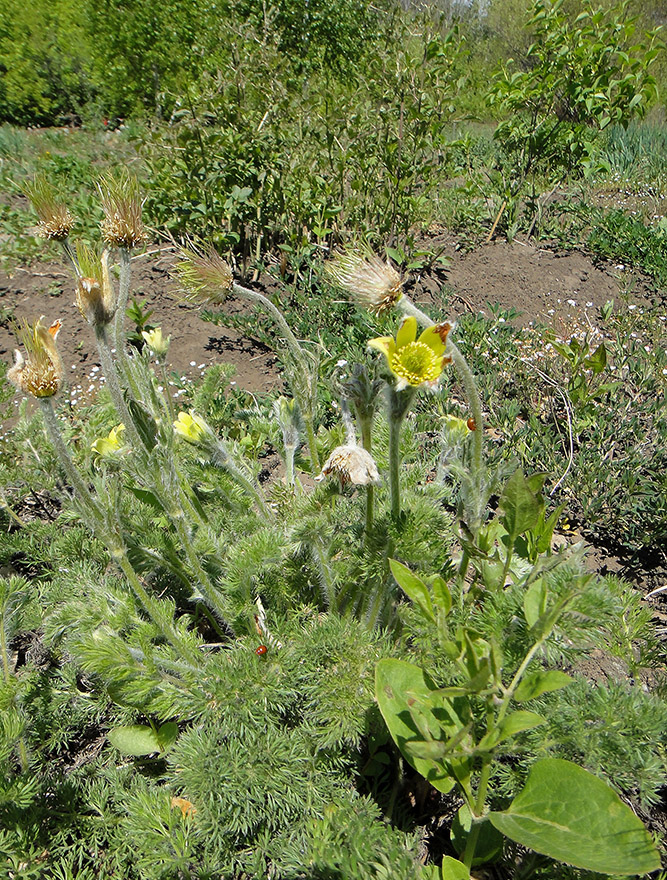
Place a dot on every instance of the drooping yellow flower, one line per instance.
(191, 426)
(415, 362)
(95, 297)
(109, 445)
(41, 374)
(156, 341)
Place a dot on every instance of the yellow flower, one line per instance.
(42, 373)
(351, 464)
(415, 362)
(109, 445)
(156, 341)
(191, 426)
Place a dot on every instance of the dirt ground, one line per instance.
(545, 286)
(563, 290)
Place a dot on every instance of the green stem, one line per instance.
(113, 385)
(223, 459)
(312, 445)
(366, 425)
(99, 526)
(394, 463)
(118, 334)
(475, 403)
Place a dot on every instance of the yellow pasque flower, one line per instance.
(109, 445)
(41, 374)
(156, 341)
(415, 362)
(191, 426)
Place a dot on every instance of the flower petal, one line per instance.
(385, 344)
(407, 332)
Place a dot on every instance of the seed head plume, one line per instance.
(122, 226)
(370, 282)
(55, 219)
(204, 276)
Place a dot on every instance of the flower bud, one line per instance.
(191, 427)
(156, 341)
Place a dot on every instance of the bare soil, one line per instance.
(560, 289)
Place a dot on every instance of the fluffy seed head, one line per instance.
(204, 276)
(55, 218)
(351, 464)
(40, 374)
(370, 282)
(122, 226)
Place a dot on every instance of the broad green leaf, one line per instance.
(137, 740)
(452, 869)
(520, 505)
(147, 497)
(489, 843)
(570, 815)
(540, 682)
(413, 587)
(598, 360)
(509, 726)
(535, 602)
(167, 735)
(394, 681)
(441, 594)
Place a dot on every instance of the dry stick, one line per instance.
(496, 222)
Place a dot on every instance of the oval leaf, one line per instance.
(413, 587)
(137, 740)
(394, 679)
(452, 869)
(569, 814)
(541, 682)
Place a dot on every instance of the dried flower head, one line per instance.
(95, 296)
(40, 374)
(351, 464)
(415, 362)
(204, 276)
(122, 226)
(55, 219)
(371, 283)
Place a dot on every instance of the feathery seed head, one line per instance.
(40, 374)
(370, 282)
(55, 218)
(122, 226)
(204, 276)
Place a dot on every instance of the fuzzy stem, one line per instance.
(312, 444)
(365, 426)
(99, 526)
(409, 309)
(118, 334)
(475, 403)
(278, 317)
(114, 385)
(399, 404)
(222, 459)
(82, 491)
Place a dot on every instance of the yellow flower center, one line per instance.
(417, 363)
